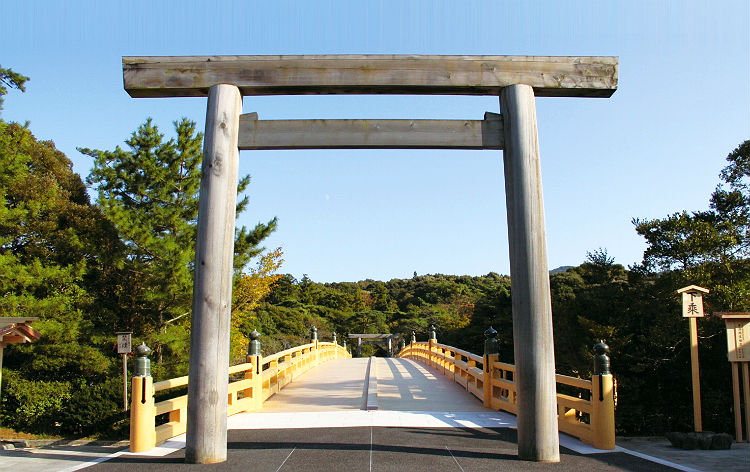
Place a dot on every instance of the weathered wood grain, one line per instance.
(695, 374)
(550, 76)
(533, 344)
(206, 440)
(373, 336)
(370, 134)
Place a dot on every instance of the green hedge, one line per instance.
(64, 408)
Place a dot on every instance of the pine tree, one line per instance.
(150, 192)
(11, 79)
(710, 248)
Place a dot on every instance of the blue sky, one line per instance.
(656, 147)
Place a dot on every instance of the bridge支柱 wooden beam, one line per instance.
(192, 76)
(370, 134)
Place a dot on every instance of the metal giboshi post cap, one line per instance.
(142, 362)
(314, 332)
(601, 359)
(253, 348)
(490, 341)
(432, 332)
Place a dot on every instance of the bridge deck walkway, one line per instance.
(402, 385)
(332, 386)
(425, 422)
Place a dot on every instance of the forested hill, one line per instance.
(637, 313)
(456, 305)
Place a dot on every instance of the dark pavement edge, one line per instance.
(382, 449)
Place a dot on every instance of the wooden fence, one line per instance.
(585, 408)
(250, 384)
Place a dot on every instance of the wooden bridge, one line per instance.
(428, 385)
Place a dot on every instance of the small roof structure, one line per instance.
(739, 315)
(693, 288)
(16, 330)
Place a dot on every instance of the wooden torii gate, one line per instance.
(384, 339)
(515, 79)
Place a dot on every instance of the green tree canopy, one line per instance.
(11, 79)
(53, 243)
(711, 247)
(150, 191)
(51, 238)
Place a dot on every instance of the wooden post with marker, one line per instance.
(124, 347)
(738, 354)
(692, 308)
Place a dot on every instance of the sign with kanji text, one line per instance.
(124, 343)
(692, 301)
(738, 336)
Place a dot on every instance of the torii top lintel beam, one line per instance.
(192, 76)
(374, 336)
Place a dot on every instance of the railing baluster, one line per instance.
(499, 392)
(256, 385)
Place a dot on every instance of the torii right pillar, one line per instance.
(533, 344)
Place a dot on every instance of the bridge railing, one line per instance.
(585, 407)
(250, 384)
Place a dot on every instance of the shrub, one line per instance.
(32, 406)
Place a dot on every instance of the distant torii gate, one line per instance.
(515, 79)
(386, 339)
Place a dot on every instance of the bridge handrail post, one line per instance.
(255, 374)
(491, 354)
(602, 400)
(450, 368)
(273, 379)
(142, 409)
(431, 343)
(314, 340)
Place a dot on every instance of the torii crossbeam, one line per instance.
(515, 79)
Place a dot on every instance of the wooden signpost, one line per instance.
(738, 353)
(692, 308)
(516, 80)
(124, 347)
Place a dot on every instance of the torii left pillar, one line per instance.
(533, 344)
(212, 289)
